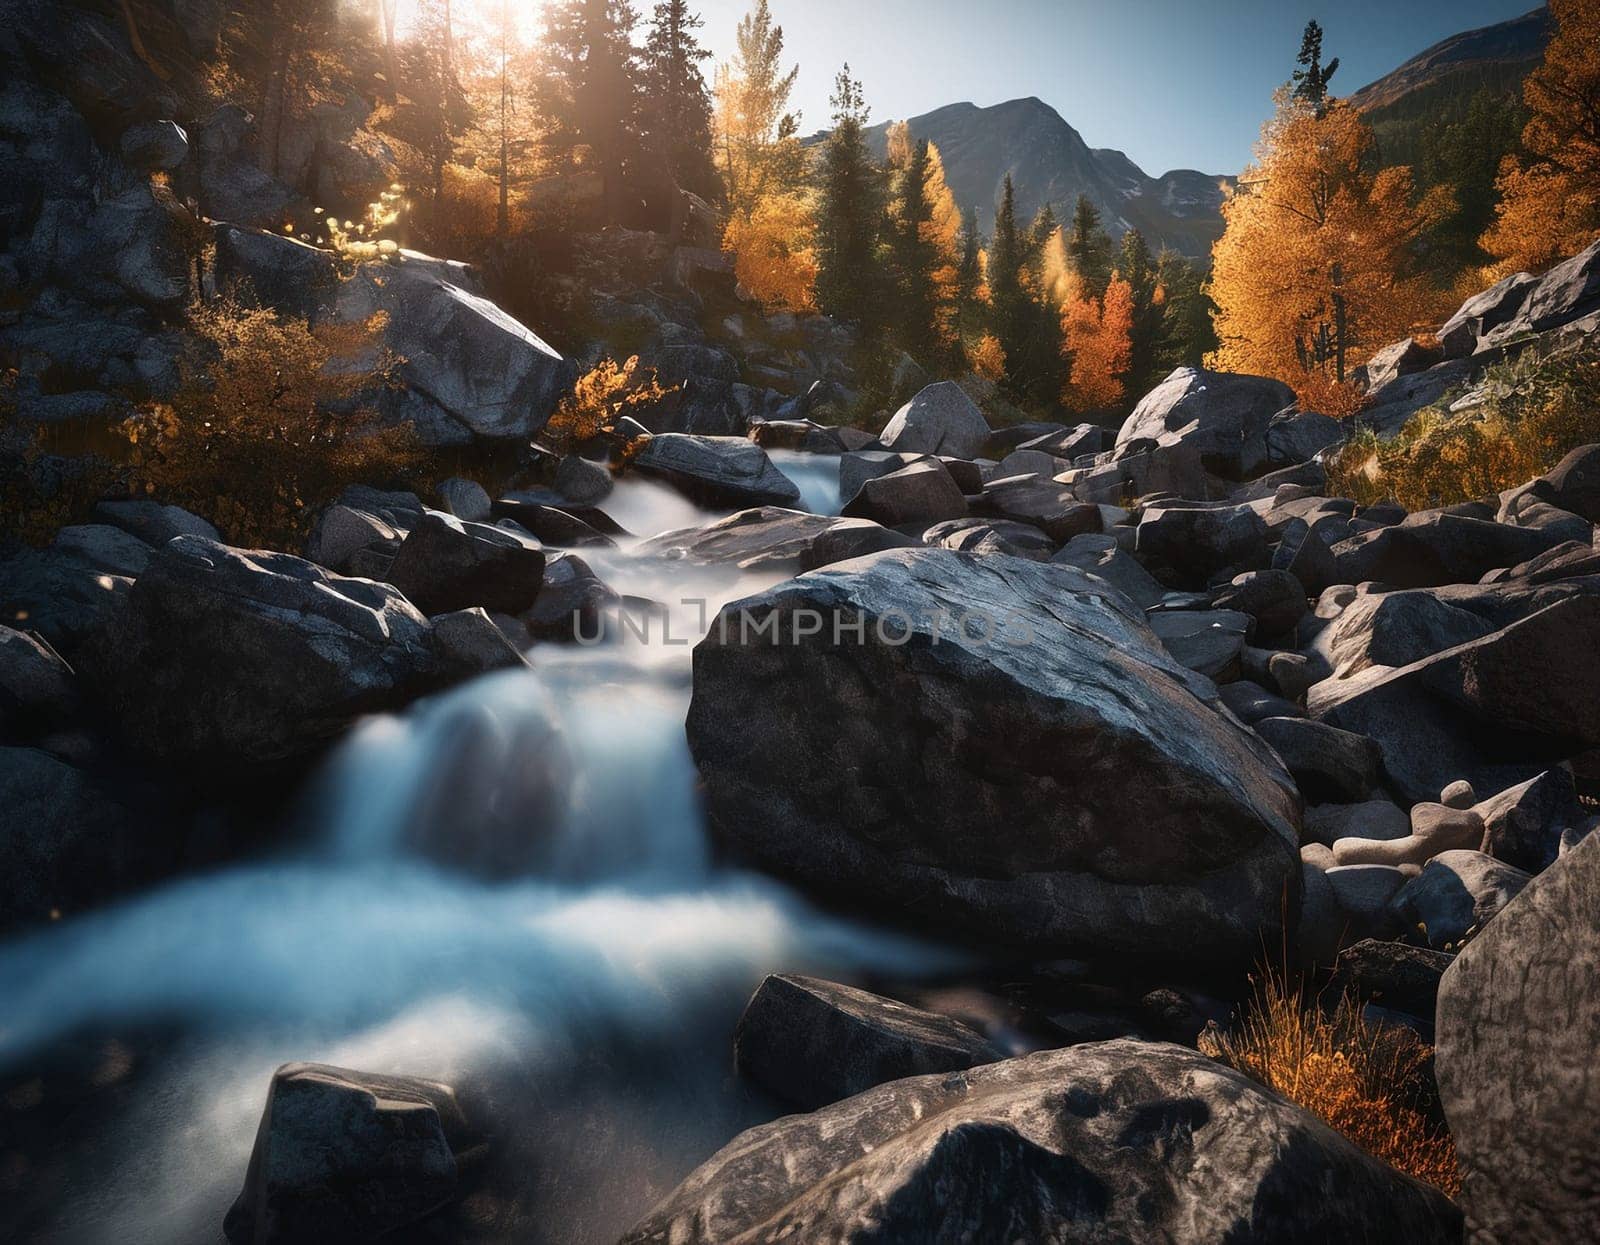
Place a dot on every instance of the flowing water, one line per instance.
(508, 885)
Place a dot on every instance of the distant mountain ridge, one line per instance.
(1497, 56)
(1049, 162)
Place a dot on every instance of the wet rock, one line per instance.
(716, 471)
(805, 774)
(1456, 895)
(445, 564)
(466, 499)
(582, 481)
(1053, 508)
(941, 419)
(349, 1156)
(470, 640)
(1516, 1020)
(65, 842)
(1120, 1140)
(812, 1042)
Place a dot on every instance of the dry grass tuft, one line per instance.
(1369, 1083)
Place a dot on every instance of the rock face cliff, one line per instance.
(1050, 162)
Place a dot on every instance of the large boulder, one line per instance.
(952, 736)
(1484, 312)
(924, 492)
(1432, 548)
(1222, 416)
(349, 1156)
(1051, 507)
(1495, 711)
(941, 419)
(1563, 294)
(239, 655)
(1456, 895)
(1572, 485)
(1517, 1019)
(1525, 825)
(1330, 765)
(716, 471)
(445, 564)
(1396, 629)
(1114, 1141)
(37, 688)
(758, 538)
(1101, 555)
(812, 1042)
(1194, 544)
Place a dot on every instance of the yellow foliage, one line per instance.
(1364, 1081)
(1550, 205)
(772, 254)
(602, 396)
(988, 358)
(1098, 338)
(267, 423)
(1314, 269)
(1539, 412)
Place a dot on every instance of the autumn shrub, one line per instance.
(1371, 1083)
(272, 417)
(602, 396)
(988, 357)
(1535, 411)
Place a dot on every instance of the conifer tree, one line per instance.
(1187, 335)
(1007, 298)
(1089, 249)
(1311, 79)
(589, 91)
(969, 279)
(925, 240)
(677, 103)
(850, 213)
(1137, 267)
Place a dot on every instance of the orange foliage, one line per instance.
(988, 357)
(603, 395)
(261, 431)
(1314, 270)
(1366, 1082)
(1098, 339)
(772, 253)
(1550, 206)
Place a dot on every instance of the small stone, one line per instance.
(1458, 794)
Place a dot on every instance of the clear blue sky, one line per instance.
(1174, 83)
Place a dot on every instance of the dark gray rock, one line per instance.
(852, 538)
(1209, 642)
(466, 499)
(103, 547)
(1561, 295)
(551, 525)
(941, 419)
(813, 1042)
(1394, 975)
(152, 522)
(1398, 359)
(924, 492)
(1196, 543)
(763, 536)
(270, 270)
(1101, 555)
(469, 641)
(1428, 549)
(978, 535)
(1573, 484)
(716, 471)
(980, 783)
(1456, 895)
(37, 687)
(1524, 825)
(59, 595)
(1295, 437)
(1484, 312)
(573, 602)
(1275, 599)
(1396, 629)
(65, 843)
(1122, 1140)
(445, 564)
(1495, 711)
(859, 466)
(229, 655)
(154, 146)
(342, 531)
(1250, 703)
(1331, 766)
(349, 1156)
(1221, 416)
(1053, 508)
(1378, 820)
(1403, 398)
(1516, 1022)
(581, 481)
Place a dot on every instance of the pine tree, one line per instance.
(850, 212)
(589, 91)
(1137, 267)
(1025, 320)
(1311, 80)
(677, 103)
(440, 111)
(969, 279)
(925, 239)
(1007, 298)
(1089, 248)
(1187, 334)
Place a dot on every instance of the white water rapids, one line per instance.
(596, 987)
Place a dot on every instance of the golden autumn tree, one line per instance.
(1315, 268)
(763, 168)
(1098, 337)
(1550, 201)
